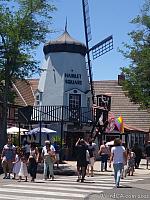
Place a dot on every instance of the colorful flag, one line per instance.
(119, 124)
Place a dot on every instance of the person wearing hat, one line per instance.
(48, 153)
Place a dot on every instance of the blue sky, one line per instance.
(107, 17)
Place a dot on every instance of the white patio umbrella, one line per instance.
(43, 130)
(15, 130)
(41, 135)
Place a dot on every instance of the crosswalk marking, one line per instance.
(26, 191)
(86, 184)
(109, 179)
(71, 188)
(102, 178)
(98, 180)
(16, 197)
(62, 188)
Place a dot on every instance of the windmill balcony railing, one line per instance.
(62, 113)
(56, 114)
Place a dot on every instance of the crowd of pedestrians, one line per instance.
(124, 160)
(22, 161)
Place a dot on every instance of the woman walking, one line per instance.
(33, 161)
(104, 152)
(118, 156)
(49, 158)
(82, 148)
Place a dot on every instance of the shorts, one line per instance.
(92, 161)
(7, 166)
(81, 163)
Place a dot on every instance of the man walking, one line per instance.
(138, 154)
(8, 157)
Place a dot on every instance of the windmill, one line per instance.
(97, 50)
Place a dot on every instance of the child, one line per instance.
(17, 163)
(131, 162)
(23, 168)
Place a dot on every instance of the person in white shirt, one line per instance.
(48, 153)
(118, 156)
(47, 142)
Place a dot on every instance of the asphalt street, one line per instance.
(131, 190)
(65, 187)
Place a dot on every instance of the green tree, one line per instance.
(24, 24)
(137, 74)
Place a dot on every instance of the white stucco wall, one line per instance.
(53, 82)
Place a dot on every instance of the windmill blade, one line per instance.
(87, 19)
(102, 47)
(88, 37)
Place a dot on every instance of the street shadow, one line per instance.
(89, 182)
(141, 168)
(39, 182)
(125, 186)
(103, 171)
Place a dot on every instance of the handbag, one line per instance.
(53, 157)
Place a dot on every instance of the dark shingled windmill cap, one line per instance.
(65, 43)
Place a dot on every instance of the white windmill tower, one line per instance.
(64, 80)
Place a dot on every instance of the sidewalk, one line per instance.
(65, 169)
(68, 168)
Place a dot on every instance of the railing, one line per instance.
(59, 113)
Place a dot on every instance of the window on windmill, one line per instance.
(74, 106)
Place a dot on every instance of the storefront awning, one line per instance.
(132, 128)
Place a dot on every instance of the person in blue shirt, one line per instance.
(8, 157)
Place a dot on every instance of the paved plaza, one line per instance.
(65, 187)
